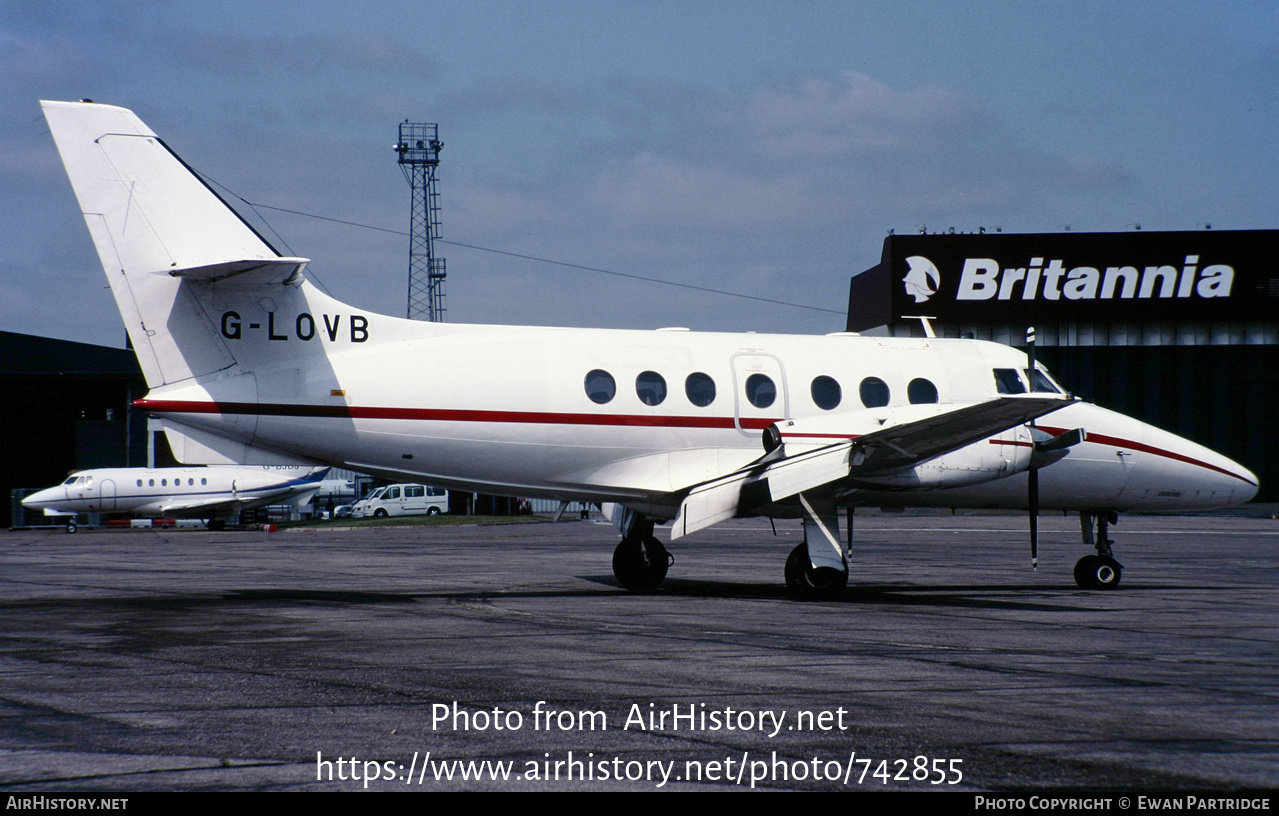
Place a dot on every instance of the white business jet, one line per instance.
(213, 493)
(248, 362)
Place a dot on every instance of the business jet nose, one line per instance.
(41, 498)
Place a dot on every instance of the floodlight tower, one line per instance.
(419, 149)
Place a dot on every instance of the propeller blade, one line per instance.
(1033, 481)
(1032, 477)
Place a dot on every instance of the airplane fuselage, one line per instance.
(607, 414)
(198, 492)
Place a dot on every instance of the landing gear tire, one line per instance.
(809, 583)
(640, 564)
(71, 527)
(1098, 572)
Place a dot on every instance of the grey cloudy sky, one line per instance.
(759, 147)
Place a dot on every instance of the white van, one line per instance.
(402, 500)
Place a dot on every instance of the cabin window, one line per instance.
(921, 391)
(139, 483)
(191, 482)
(650, 387)
(874, 392)
(600, 386)
(1040, 383)
(700, 389)
(203, 481)
(760, 390)
(150, 482)
(1008, 381)
(164, 482)
(826, 393)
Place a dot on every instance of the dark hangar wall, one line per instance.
(56, 400)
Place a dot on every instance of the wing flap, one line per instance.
(721, 499)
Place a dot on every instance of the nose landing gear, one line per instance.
(1100, 571)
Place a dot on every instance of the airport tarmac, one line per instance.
(338, 658)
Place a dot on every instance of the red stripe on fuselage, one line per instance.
(449, 415)
(551, 418)
(1102, 439)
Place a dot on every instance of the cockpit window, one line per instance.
(1008, 381)
(1041, 383)
(71, 480)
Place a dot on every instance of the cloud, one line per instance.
(829, 151)
(856, 115)
(330, 58)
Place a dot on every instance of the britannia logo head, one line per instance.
(923, 278)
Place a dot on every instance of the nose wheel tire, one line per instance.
(1098, 572)
(809, 583)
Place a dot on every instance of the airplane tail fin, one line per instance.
(156, 224)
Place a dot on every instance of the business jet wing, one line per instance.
(298, 491)
(777, 476)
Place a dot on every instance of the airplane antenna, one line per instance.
(418, 150)
(925, 321)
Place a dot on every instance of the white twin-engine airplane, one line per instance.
(247, 362)
(213, 493)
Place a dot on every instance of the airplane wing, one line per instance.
(777, 476)
(223, 506)
(298, 491)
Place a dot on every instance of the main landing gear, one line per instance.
(640, 561)
(1100, 571)
(817, 569)
(809, 583)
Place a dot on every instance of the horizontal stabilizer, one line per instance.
(281, 268)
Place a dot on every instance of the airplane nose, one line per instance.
(1248, 492)
(38, 500)
(1187, 473)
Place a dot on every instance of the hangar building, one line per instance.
(1179, 329)
(66, 407)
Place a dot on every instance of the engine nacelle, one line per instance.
(996, 457)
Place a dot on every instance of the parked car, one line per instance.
(402, 500)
